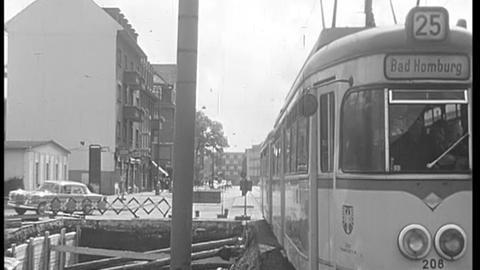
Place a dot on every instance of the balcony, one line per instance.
(133, 79)
(132, 113)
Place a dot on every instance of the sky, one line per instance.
(249, 51)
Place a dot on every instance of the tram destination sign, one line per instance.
(427, 66)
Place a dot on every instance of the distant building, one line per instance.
(253, 163)
(35, 162)
(231, 166)
(165, 78)
(76, 74)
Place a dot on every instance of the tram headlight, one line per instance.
(414, 241)
(450, 242)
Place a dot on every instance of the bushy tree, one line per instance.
(209, 139)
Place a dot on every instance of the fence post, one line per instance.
(30, 254)
(14, 252)
(78, 234)
(61, 255)
(46, 251)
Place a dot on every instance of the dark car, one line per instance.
(55, 196)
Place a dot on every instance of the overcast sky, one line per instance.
(249, 51)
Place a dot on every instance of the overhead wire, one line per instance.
(323, 15)
(393, 12)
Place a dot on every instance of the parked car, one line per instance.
(55, 196)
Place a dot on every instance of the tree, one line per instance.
(209, 139)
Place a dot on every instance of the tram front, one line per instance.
(406, 156)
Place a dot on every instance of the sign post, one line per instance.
(245, 187)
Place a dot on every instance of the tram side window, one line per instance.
(327, 116)
(363, 133)
(276, 157)
(293, 147)
(302, 145)
(287, 150)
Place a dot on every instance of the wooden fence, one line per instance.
(37, 253)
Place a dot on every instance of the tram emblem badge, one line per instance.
(347, 218)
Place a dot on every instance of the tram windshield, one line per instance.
(424, 136)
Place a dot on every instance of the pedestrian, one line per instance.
(122, 187)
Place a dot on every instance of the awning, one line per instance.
(135, 160)
(160, 168)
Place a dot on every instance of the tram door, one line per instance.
(325, 150)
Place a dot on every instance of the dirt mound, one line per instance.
(263, 252)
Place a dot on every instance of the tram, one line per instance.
(369, 163)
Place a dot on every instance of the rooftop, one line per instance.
(168, 72)
(30, 144)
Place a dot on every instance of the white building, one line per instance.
(35, 162)
(253, 163)
(77, 75)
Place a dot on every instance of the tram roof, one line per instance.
(338, 45)
(383, 40)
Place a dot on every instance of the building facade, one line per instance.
(165, 78)
(253, 163)
(34, 162)
(78, 76)
(229, 166)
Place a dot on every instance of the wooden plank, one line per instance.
(78, 234)
(70, 236)
(29, 258)
(53, 255)
(112, 261)
(46, 251)
(162, 262)
(61, 255)
(37, 253)
(108, 252)
(20, 254)
(69, 257)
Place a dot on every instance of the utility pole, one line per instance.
(183, 164)
(369, 18)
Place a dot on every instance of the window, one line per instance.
(167, 95)
(65, 172)
(119, 57)
(125, 95)
(327, 117)
(293, 146)
(125, 61)
(37, 174)
(118, 130)
(137, 138)
(302, 145)
(287, 150)
(276, 157)
(165, 152)
(77, 190)
(363, 132)
(50, 187)
(66, 190)
(47, 171)
(57, 172)
(419, 134)
(119, 93)
(125, 131)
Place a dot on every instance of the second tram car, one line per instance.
(379, 176)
